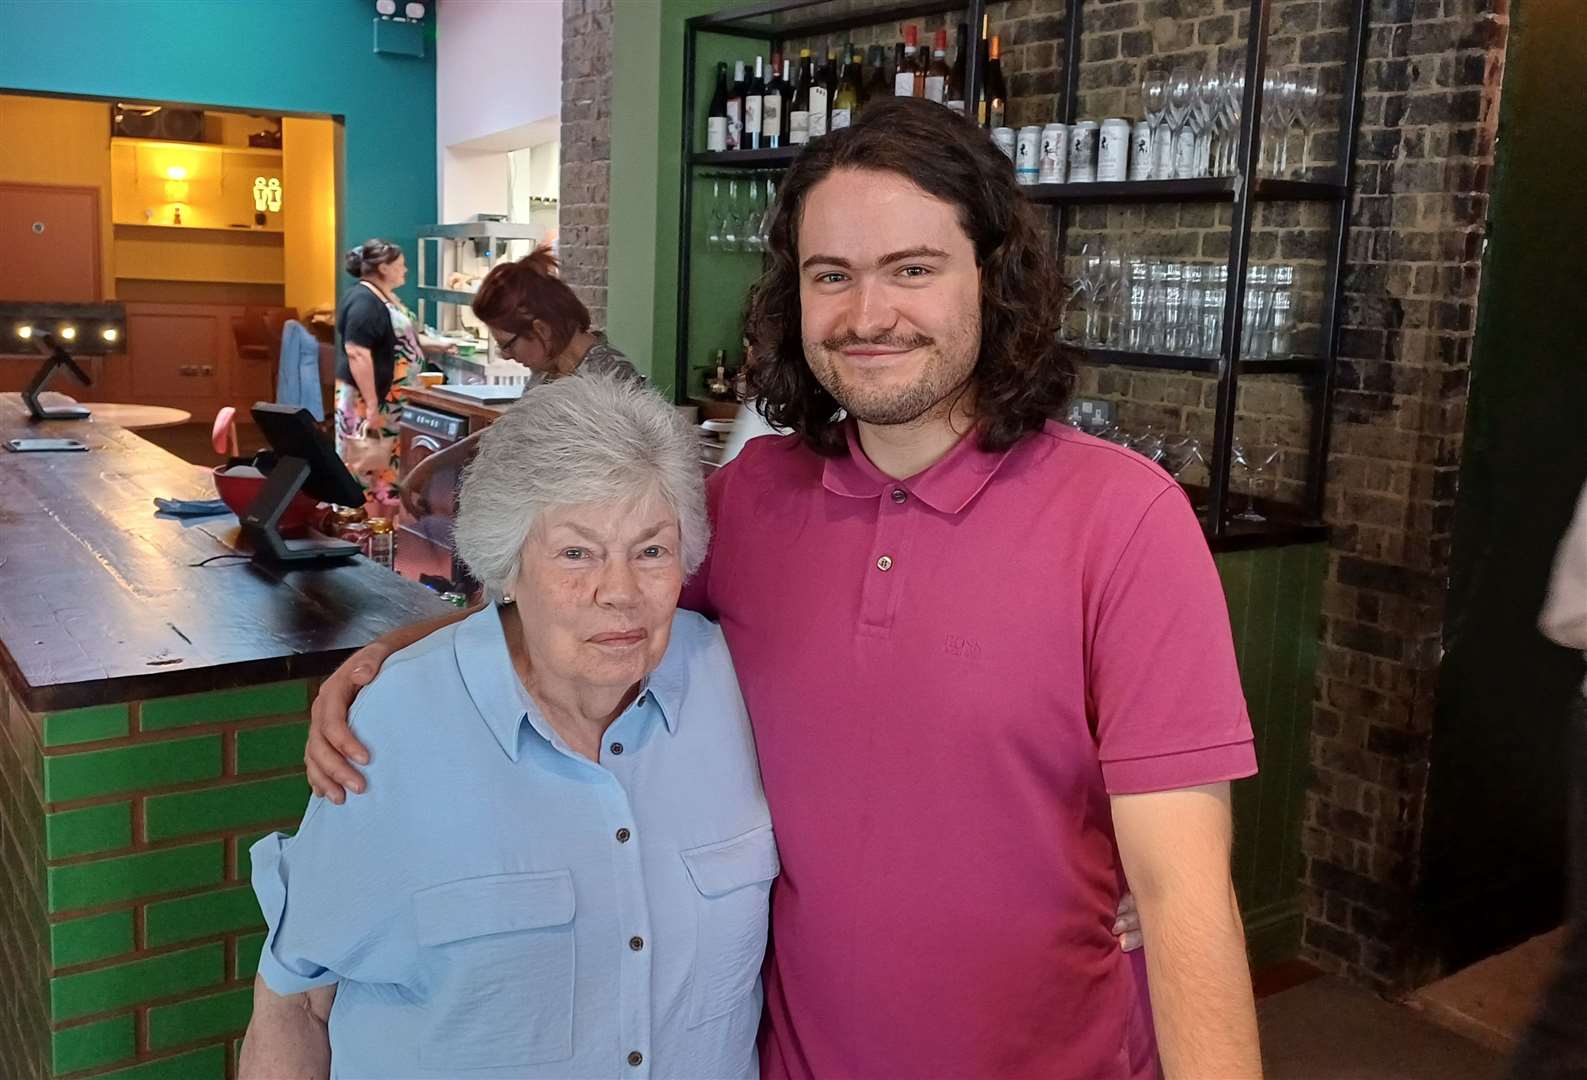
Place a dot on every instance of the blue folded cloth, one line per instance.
(192, 507)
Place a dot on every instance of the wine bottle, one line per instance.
(771, 106)
(735, 108)
(937, 74)
(821, 98)
(754, 90)
(953, 96)
(716, 115)
(982, 52)
(787, 100)
(922, 69)
(846, 102)
(996, 88)
(799, 110)
(904, 74)
(876, 84)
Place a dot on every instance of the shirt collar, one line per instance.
(486, 666)
(947, 486)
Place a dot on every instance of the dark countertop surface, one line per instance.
(100, 601)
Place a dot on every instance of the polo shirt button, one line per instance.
(636, 943)
(623, 835)
(635, 1058)
(617, 748)
(899, 495)
(885, 563)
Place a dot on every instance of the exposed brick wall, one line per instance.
(586, 149)
(128, 931)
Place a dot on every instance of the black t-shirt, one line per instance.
(362, 319)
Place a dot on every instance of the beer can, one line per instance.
(1113, 150)
(1083, 152)
(1027, 155)
(1053, 167)
(1004, 137)
(1141, 151)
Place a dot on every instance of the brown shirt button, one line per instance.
(635, 1058)
(616, 748)
(636, 943)
(623, 835)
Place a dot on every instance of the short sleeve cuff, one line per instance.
(289, 975)
(1186, 768)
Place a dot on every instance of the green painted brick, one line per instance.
(107, 989)
(88, 831)
(272, 700)
(249, 946)
(127, 768)
(88, 1046)
(206, 1064)
(185, 813)
(274, 747)
(97, 937)
(241, 859)
(200, 1018)
(126, 877)
(86, 725)
(209, 913)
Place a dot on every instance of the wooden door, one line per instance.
(50, 236)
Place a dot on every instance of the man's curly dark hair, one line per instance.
(1024, 375)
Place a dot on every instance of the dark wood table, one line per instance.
(103, 602)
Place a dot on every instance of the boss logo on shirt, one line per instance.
(962, 647)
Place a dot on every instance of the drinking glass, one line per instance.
(1308, 107)
(1154, 103)
(1092, 265)
(1233, 108)
(764, 231)
(1177, 453)
(1209, 92)
(1213, 292)
(1258, 306)
(1256, 461)
(1181, 94)
(713, 217)
(1138, 313)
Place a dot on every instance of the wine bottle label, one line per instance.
(840, 119)
(752, 127)
(716, 133)
(936, 87)
(997, 111)
(957, 105)
(798, 127)
(771, 114)
(818, 111)
(735, 123)
(904, 84)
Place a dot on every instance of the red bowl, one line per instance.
(239, 492)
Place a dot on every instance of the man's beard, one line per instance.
(938, 380)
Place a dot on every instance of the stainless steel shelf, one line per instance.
(450, 296)
(480, 230)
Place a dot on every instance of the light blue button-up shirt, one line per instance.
(499, 904)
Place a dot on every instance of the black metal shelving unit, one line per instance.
(1243, 191)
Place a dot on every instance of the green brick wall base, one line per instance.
(129, 935)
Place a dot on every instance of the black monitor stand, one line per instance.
(55, 359)
(260, 523)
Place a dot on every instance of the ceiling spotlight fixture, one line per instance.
(110, 333)
(25, 330)
(68, 332)
(387, 8)
(414, 10)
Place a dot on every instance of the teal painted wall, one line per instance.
(311, 56)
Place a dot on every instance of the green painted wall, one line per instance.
(1499, 753)
(260, 55)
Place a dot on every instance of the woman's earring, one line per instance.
(506, 599)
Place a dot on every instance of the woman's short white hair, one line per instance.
(588, 439)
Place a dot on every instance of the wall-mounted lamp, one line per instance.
(267, 194)
(52, 329)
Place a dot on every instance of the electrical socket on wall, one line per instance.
(1091, 414)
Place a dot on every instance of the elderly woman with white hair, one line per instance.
(564, 862)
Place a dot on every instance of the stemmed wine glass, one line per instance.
(1154, 102)
(1181, 94)
(730, 227)
(1308, 106)
(713, 217)
(1209, 102)
(764, 229)
(1255, 460)
(1233, 107)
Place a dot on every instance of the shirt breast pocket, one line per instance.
(733, 879)
(499, 952)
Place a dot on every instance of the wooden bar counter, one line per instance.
(154, 712)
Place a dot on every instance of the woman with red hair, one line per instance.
(535, 319)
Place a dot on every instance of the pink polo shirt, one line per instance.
(948, 676)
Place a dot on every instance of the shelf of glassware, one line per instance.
(1194, 189)
(1207, 365)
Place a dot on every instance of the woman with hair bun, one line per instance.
(381, 352)
(535, 319)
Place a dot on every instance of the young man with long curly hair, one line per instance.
(987, 658)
